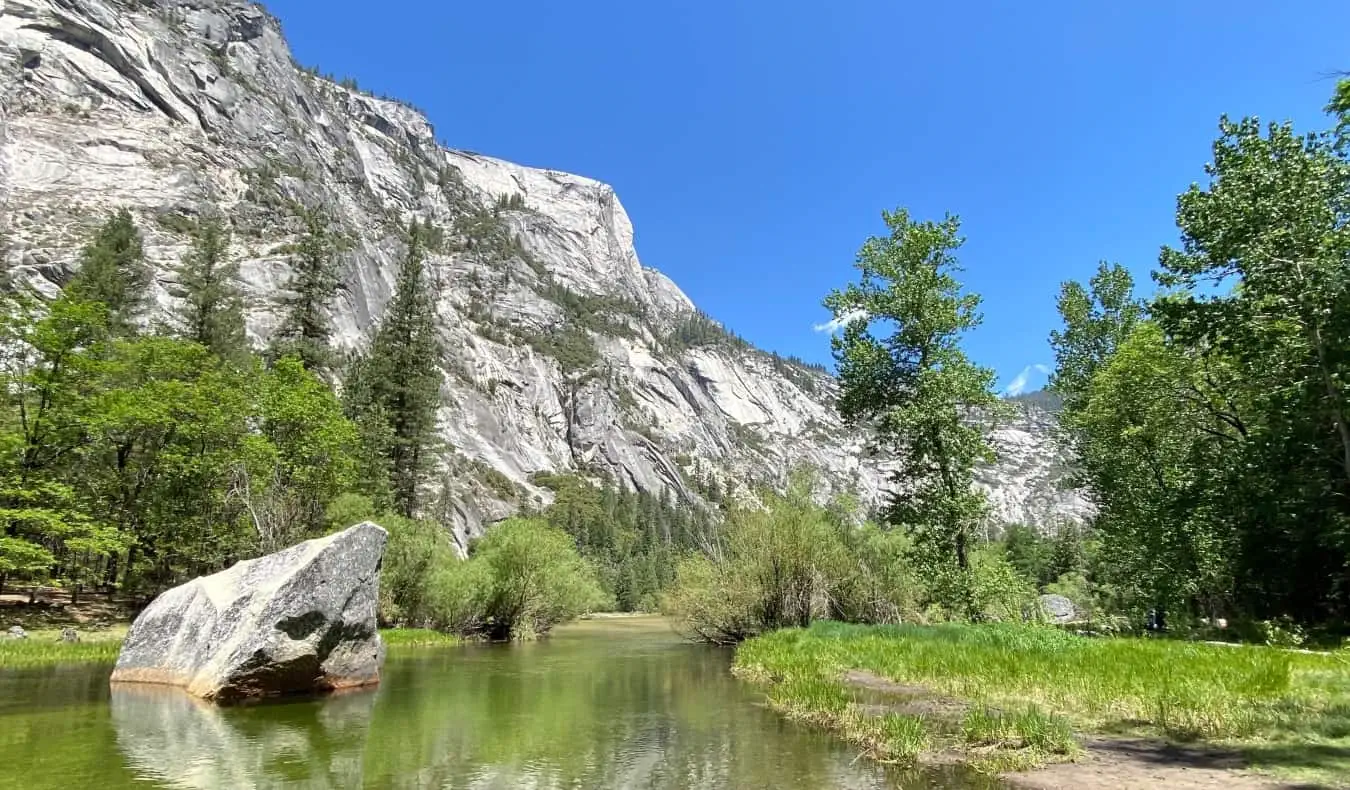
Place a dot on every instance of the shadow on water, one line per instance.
(604, 704)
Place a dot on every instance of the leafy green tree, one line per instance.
(1028, 552)
(1161, 464)
(211, 298)
(165, 434)
(1271, 224)
(305, 330)
(538, 578)
(396, 386)
(315, 455)
(1097, 319)
(114, 274)
(913, 385)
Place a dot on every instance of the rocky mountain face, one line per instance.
(562, 351)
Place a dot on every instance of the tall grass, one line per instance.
(36, 652)
(45, 648)
(409, 638)
(1026, 687)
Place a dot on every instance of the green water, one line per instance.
(606, 704)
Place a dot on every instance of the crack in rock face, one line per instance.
(178, 108)
(299, 621)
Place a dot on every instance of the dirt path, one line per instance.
(1140, 764)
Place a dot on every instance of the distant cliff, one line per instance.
(563, 352)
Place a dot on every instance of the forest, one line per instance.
(1209, 418)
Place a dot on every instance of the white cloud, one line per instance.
(833, 326)
(1019, 383)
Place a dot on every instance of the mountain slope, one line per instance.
(563, 351)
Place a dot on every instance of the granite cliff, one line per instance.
(562, 350)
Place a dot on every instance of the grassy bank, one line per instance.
(45, 648)
(1018, 696)
(408, 638)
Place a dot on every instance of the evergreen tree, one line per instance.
(211, 310)
(398, 383)
(113, 273)
(305, 330)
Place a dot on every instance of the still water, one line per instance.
(604, 704)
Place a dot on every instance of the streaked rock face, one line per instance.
(172, 108)
(297, 621)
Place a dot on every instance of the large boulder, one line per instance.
(1059, 609)
(298, 621)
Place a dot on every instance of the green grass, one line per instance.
(1026, 690)
(401, 638)
(44, 648)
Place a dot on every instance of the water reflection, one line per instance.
(604, 705)
(179, 741)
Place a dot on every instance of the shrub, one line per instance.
(781, 566)
(537, 579)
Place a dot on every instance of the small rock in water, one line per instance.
(17, 632)
(70, 635)
(301, 620)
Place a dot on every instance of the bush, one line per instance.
(781, 566)
(414, 552)
(879, 585)
(457, 596)
(537, 579)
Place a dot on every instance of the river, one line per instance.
(601, 704)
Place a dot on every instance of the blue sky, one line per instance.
(755, 144)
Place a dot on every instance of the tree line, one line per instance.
(1211, 420)
(137, 452)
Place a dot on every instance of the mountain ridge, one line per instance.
(564, 352)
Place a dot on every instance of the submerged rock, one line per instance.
(17, 632)
(301, 620)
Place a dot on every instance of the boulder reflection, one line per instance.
(170, 737)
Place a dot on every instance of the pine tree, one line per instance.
(305, 330)
(398, 383)
(113, 273)
(211, 311)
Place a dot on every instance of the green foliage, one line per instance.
(139, 461)
(914, 386)
(571, 345)
(315, 458)
(632, 539)
(394, 390)
(776, 567)
(211, 299)
(697, 329)
(1001, 681)
(1211, 423)
(113, 273)
(417, 550)
(1097, 320)
(305, 330)
(537, 578)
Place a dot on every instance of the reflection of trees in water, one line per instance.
(525, 717)
(594, 711)
(166, 734)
